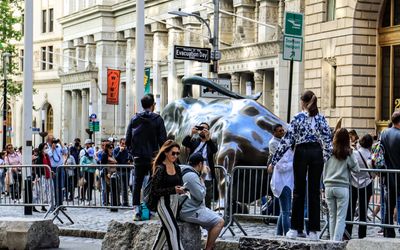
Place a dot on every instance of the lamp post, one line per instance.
(43, 134)
(214, 39)
(6, 61)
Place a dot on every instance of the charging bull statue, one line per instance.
(241, 127)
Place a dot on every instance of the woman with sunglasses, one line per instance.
(167, 185)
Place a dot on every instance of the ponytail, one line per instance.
(310, 102)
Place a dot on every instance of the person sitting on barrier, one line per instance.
(361, 187)
(42, 190)
(13, 158)
(166, 186)
(310, 133)
(193, 209)
(108, 159)
(122, 156)
(87, 174)
(336, 176)
(200, 141)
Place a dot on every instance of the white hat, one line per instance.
(110, 139)
(88, 141)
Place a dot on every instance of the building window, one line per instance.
(21, 60)
(50, 57)
(49, 120)
(43, 58)
(51, 20)
(330, 10)
(44, 21)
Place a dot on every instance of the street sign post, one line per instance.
(294, 24)
(192, 53)
(293, 48)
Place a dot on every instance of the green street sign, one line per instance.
(96, 126)
(292, 48)
(293, 24)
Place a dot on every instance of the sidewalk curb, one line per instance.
(93, 234)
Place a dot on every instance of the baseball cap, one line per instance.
(195, 159)
(88, 141)
(90, 152)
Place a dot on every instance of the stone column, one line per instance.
(79, 128)
(245, 30)
(80, 54)
(268, 13)
(268, 94)
(226, 27)
(105, 57)
(121, 121)
(174, 89)
(130, 78)
(235, 81)
(69, 55)
(74, 109)
(120, 51)
(66, 118)
(90, 51)
(85, 113)
(258, 82)
(160, 41)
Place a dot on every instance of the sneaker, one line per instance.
(292, 234)
(137, 217)
(313, 236)
(301, 235)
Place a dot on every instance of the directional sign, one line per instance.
(192, 53)
(292, 48)
(293, 24)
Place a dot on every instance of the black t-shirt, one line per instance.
(391, 141)
(173, 180)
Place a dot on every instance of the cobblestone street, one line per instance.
(92, 219)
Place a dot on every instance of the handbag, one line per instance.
(149, 197)
(82, 181)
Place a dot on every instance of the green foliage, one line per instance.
(9, 33)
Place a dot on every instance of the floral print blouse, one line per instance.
(305, 129)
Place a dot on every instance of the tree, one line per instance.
(9, 33)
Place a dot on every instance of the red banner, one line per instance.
(113, 77)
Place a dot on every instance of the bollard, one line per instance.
(28, 196)
(114, 192)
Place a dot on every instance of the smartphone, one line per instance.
(199, 127)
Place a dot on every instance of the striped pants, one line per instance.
(169, 231)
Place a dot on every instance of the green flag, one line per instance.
(146, 80)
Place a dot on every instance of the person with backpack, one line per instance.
(200, 141)
(336, 178)
(166, 186)
(193, 209)
(144, 136)
(361, 187)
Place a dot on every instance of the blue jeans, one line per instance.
(285, 203)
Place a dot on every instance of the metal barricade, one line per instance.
(25, 185)
(220, 191)
(250, 197)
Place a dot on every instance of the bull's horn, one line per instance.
(197, 80)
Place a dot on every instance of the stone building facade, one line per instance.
(47, 60)
(98, 35)
(352, 59)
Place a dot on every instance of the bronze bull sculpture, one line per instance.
(242, 129)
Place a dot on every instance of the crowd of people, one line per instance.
(306, 158)
(311, 161)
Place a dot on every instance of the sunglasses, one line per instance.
(175, 153)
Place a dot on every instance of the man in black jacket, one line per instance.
(200, 141)
(145, 135)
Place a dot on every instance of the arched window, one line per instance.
(389, 59)
(49, 120)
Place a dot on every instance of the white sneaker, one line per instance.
(313, 236)
(292, 234)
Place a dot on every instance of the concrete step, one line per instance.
(374, 244)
